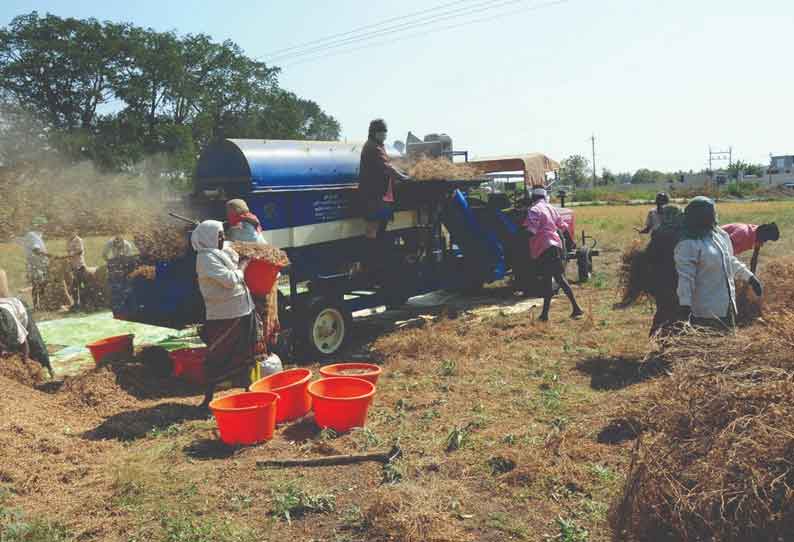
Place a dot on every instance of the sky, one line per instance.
(656, 82)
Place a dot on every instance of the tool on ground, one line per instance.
(345, 459)
(184, 219)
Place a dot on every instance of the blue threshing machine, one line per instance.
(304, 195)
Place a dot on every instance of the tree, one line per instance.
(607, 177)
(171, 95)
(739, 167)
(573, 170)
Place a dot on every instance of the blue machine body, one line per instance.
(304, 194)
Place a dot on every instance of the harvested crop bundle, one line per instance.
(262, 252)
(634, 277)
(439, 169)
(160, 240)
(147, 272)
(715, 461)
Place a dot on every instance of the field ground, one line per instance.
(510, 430)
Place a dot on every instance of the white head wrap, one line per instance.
(540, 192)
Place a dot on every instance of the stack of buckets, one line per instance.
(339, 402)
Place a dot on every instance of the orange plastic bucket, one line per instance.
(260, 276)
(246, 418)
(189, 364)
(292, 388)
(366, 371)
(111, 345)
(341, 403)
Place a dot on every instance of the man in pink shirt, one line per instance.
(545, 247)
(745, 237)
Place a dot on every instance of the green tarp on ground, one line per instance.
(74, 332)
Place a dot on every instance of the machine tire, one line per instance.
(584, 264)
(325, 326)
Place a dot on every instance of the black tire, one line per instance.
(584, 264)
(323, 327)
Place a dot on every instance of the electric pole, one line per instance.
(592, 140)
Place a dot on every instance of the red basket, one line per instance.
(260, 276)
(111, 345)
(246, 418)
(189, 364)
(341, 403)
(291, 386)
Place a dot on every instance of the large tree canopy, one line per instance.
(119, 94)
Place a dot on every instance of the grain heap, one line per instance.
(24, 371)
(715, 462)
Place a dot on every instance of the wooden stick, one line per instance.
(754, 260)
(347, 459)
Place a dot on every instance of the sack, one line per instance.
(271, 364)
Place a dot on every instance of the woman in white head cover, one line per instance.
(230, 330)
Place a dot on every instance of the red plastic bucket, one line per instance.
(110, 345)
(189, 364)
(246, 418)
(292, 388)
(366, 371)
(260, 276)
(341, 403)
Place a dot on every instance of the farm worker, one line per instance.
(654, 219)
(662, 277)
(75, 248)
(116, 248)
(38, 263)
(545, 247)
(244, 226)
(18, 331)
(230, 330)
(377, 176)
(746, 237)
(706, 267)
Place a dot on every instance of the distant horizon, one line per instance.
(648, 80)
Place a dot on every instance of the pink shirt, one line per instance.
(743, 236)
(543, 220)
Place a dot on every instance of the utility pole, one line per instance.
(592, 140)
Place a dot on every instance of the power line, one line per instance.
(365, 27)
(396, 29)
(330, 54)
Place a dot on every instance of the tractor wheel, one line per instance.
(584, 264)
(325, 325)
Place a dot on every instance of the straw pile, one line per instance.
(261, 252)
(716, 462)
(439, 169)
(24, 371)
(158, 239)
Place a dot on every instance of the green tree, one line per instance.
(607, 177)
(573, 170)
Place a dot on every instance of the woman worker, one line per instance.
(244, 226)
(545, 247)
(18, 332)
(230, 330)
(706, 267)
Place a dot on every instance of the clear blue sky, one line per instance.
(656, 81)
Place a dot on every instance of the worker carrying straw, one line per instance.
(545, 248)
(706, 267)
(231, 330)
(244, 226)
(18, 331)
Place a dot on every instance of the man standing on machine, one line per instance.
(377, 176)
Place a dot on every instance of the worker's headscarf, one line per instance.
(205, 240)
(237, 211)
(700, 218)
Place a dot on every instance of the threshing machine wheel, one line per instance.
(584, 263)
(326, 326)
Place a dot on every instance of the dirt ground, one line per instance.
(511, 430)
